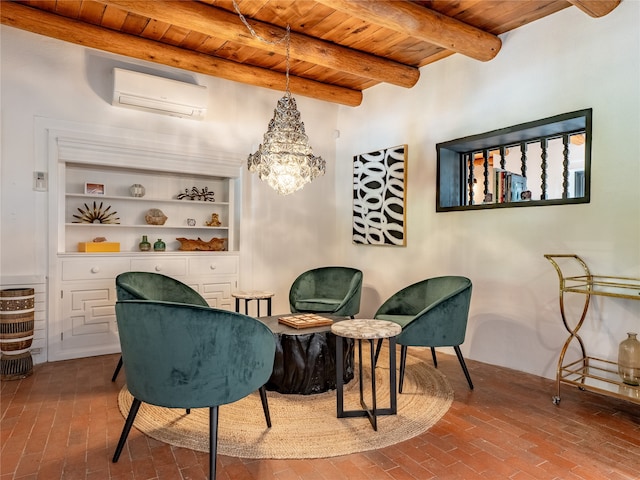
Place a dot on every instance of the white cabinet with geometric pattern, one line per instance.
(86, 324)
(81, 308)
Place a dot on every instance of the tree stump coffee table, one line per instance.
(305, 358)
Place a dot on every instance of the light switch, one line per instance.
(40, 181)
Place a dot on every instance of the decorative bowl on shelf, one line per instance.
(155, 217)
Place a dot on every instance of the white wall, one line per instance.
(559, 64)
(51, 79)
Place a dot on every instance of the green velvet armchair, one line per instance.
(330, 290)
(187, 356)
(432, 313)
(155, 286)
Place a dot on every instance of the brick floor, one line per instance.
(63, 422)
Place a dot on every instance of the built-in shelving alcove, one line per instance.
(96, 166)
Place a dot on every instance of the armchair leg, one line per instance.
(403, 365)
(135, 405)
(265, 405)
(213, 441)
(117, 370)
(433, 355)
(463, 365)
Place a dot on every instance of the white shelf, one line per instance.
(193, 203)
(119, 225)
(148, 254)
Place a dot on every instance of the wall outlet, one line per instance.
(40, 181)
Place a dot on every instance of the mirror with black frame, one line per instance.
(545, 162)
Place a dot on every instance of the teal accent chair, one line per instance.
(328, 290)
(432, 313)
(153, 286)
(158, 287)
(187, 356)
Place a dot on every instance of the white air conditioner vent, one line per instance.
(158, 95)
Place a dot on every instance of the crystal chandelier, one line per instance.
(284, 159)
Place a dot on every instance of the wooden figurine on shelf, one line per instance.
(214, 222)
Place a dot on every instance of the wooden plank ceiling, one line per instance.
(338, 48)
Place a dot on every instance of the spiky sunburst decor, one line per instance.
(96, 215)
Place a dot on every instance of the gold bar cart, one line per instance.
(591, 373)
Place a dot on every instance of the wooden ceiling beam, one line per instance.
(219, 23)
(26, 18)
(596, 8)
(424, 24)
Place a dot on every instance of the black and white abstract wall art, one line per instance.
(379, 197)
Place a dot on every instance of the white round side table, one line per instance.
(256, 295)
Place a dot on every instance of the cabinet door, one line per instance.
(215, 290)
(87, 321)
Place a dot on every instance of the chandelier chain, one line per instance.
(286, 39)
(284, 159)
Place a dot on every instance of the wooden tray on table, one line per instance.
(305, 320)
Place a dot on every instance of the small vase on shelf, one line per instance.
(159, 246)
(137, 190)
(629, 359)
(144, 245)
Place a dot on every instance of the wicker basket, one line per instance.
(16, 332)
(16, 318)
(15, 367)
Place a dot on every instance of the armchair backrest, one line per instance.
(440, 307)
(336, 283)
(188, 356)
(155, 286)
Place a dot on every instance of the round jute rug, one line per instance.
(306, 426)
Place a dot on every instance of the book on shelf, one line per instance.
(509, 186)
(517, 185)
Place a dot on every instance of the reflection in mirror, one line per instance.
(546, 162)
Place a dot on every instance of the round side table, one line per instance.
(256, 295)
(365, 329)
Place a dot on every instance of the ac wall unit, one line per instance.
(158, 95)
